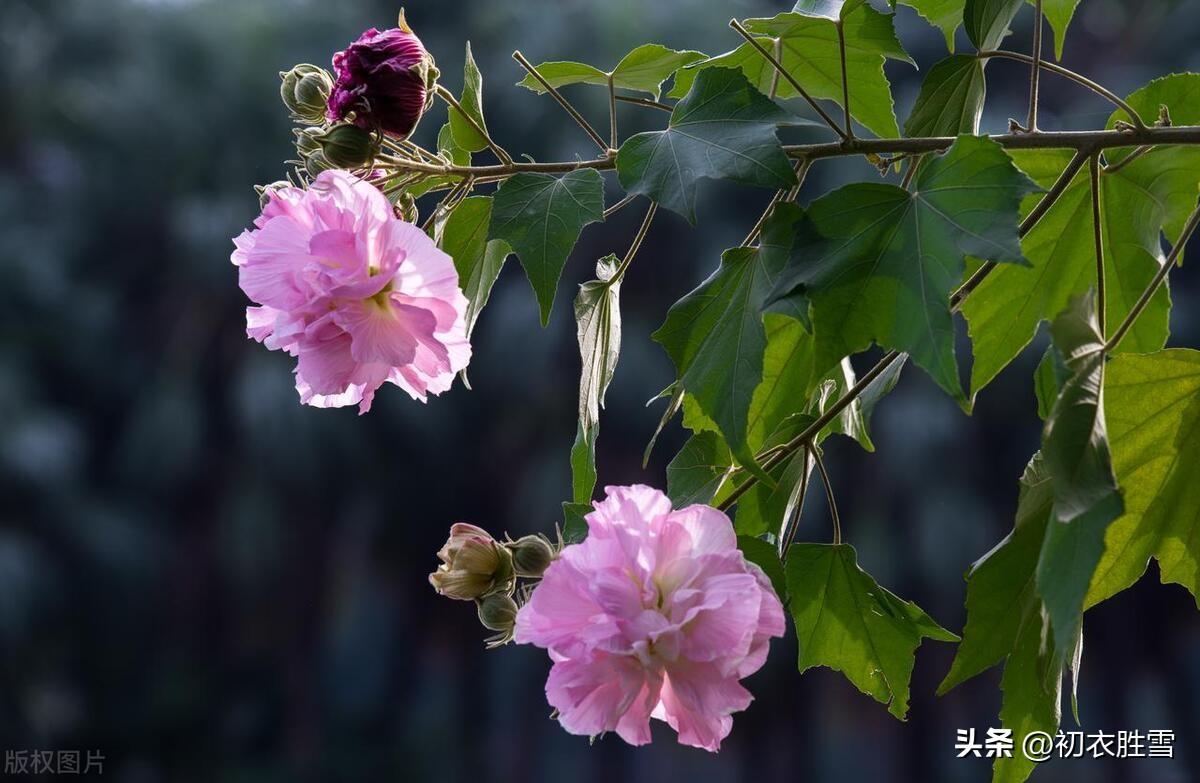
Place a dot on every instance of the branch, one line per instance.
(575, 115)
(1075, 77)
(1140, 305)
(750, 39)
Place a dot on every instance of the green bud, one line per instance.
(305, 91)
(531, 555)
(347, 146)
(306, 141)
(315, 163)
(498, 612)
(264, 191)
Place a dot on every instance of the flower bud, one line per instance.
(498, 612)
(474, 565)
(316, 162)
(264, 191)
(386, 79)
(347, 146)
(531, 555)
(306, 141)
(305, 91)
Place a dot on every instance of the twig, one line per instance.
(833, 512)
(615, 208)
(1125, 161)
(742, 31)
(575, 115)
(496, 149)
(1140, 305)
(1035, 69)
(1075, 77)
(1101, 299)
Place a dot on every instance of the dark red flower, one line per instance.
(386, 79)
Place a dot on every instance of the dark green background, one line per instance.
(207, 581)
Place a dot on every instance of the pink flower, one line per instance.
(655, 614)
(357, 295)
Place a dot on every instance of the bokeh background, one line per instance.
(208, 582)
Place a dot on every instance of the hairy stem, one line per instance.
(575, 115)
(1075, 77)
(1188, 229)
(750, 39)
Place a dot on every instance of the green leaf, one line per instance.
(724, 128)
(1032, 688)
(574, 527)
(765, 557)
(945, 15)
(598, 328)
(1048, 380)
(449, 151)
(541, 217)
(583, 465)
(763, 508)
(645, 69)
(845, 621)
(477, 260)
(715, 334)
(1058, 13)
(698, 470)
(1077, 458)
(951, 98)
(1138, 202)
(809, 51)
(472, 103)
(1153, 407)
(878, 262)
(826, 9)
(987, 21)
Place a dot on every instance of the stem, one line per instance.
(1043, 206)
(833, 512)
(1075, 77)
(778, 47)
(1140, 305)
(742, 31)
(1130, 158)
(911, 172)
(612, 114)
(1036, 69)
(637, 242)
(615, 208)
(845, 81)
(793, 522)
(1101, 299)
(801, 168)
(575, 115)
(496, 149)
(645, 102)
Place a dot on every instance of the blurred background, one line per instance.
(205, 581)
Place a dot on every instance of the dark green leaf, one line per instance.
(574, 527)
(541, 217)
(1048, 380)
(477, 260)
(951, 98)
(1076, 453)
(472, 103)
(765, 557)
(698, 470)
(715, 334)
(809, 51)
(1153, 407)
(643, 70)
(724, 128)
(987, 21)
(598, 328)
(845, 621)
(878, 262)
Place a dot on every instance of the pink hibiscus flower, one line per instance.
(357, 295)
(655, 614)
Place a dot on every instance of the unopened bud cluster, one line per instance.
(476, 567)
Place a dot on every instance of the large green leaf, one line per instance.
(1078, 461)
(951, 98)
(598, 328)
(878, 262)
(724, 128)
(643, 70)
(477, 259)
(1138, 202)
(808, 48)
(541, 217)
(1153, 407)
(845, 621)
(987, 21)
(698, 469)
(715, 334)
(471, 101)
(945, 15)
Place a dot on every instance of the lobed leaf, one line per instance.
(471, 101)
(645, 69)
(477, 259)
